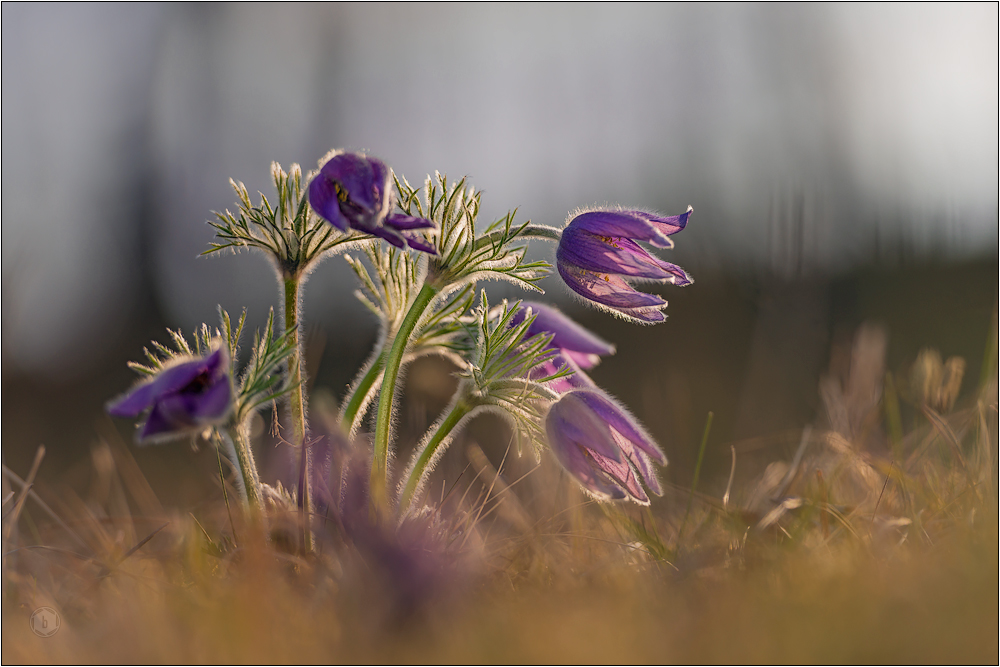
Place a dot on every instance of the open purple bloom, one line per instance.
(353, 190)
(601, 445)
(577, 347)
(598, 258)
(182, 398)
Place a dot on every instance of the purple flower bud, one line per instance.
(578, 348)
(353, 190)
(183, 398)
(603, 446)
(583, 346)
(598, 258)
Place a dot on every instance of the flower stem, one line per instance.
(237, 439)
(530, 231)
(297, 402)
(444, 429)
(383, 419)
(361, 393)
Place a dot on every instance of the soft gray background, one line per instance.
(808, 138)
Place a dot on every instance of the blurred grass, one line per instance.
(868, 537)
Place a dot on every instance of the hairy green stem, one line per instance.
(360, 393)
(444, 429)
(530, 231)
(383, 419)
(297, 401)
(237, 440)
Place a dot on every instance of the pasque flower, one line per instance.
(577, 347)
(601, 445)
(599, 258)
(182, 398)
(353, 190)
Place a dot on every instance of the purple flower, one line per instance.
(182, 398)
(577, 347)
(600, 444)
(598, 258)
(354, 190)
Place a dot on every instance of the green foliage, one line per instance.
(262, 381)
(289, 232)
(463, 256)
(498, 374)
(389, 289)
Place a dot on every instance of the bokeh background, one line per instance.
(841, 161)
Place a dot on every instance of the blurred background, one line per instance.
(841, 161)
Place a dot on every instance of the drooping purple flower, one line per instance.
(601, 445)
(183, 398)
(577, 347)
(353, 190)
(598, 258)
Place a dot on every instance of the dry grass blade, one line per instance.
(25, 489)
(513, 511)
(12, 476)
(942, 427)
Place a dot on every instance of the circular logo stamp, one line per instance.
(45, 621)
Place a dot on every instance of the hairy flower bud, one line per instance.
(598, 258)
(603, 446)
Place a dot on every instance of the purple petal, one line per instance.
(167, 381)
(133, 403)
(213, 404)
(579, 379)
(576, 380)
(620, 420)
(418, 242)
(680, 276)
(623, 474)
(323, 199)
(583, 360)
(363, 178)
(644, 315)
(156, 424)
(579, 464)
(566, 334)
(671, 224)
(387, 233)
(642, 465)
(578, 423)
(217, 363)
(401, 221)
(619, 223)
(606, 289)
(609, 254)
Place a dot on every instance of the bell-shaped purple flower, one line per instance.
(603, 446)
(353, 190)
(577, 347)
(598, 258)
(183, 398)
